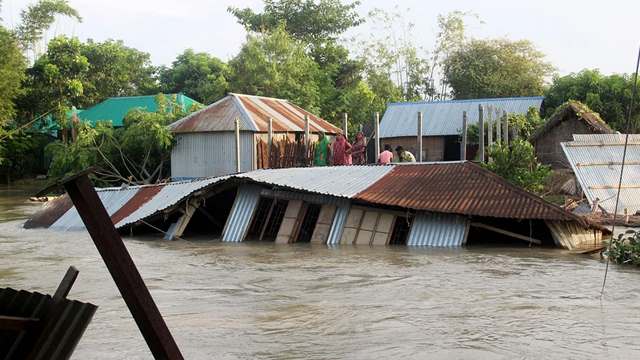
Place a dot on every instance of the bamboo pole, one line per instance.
(463, 146)
(490, 125)
(481, 132)
(306, 134)
(345, 124)
(498, 126)
(419, 137)
(376, 119)
(237, 144)
(505, 127)
(270, 138)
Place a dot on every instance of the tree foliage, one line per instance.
(496, 68)
(115, 70)
(37, 18)
(275, 64)
(12, 67)
(138, 153)
(198, 75)
(517, 163)
(307, 20)
(609, 96)
(625, 249)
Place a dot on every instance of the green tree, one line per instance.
(311, 21)
(55, 82)
(610, 96)
(198, 75)
(274, 64)
(39, 17)
(517, 163)
(115, 70)
(496, 68)
(12, 67)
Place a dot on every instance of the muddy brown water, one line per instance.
(261, 301)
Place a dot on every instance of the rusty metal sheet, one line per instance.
(459, 188)
(140, 198)
(50, 213)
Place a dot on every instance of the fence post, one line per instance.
(489, 130)
(419, 136)
(481, 132)
(505, 127)
(345, 125)
(237, 144)
(498, 126)
(306, 135)
(463, 146)
(376, 119)
(270, 139)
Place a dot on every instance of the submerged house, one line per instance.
(440, 204)
(596, 161)
(206, 140)
(442, 123)
(569, 119)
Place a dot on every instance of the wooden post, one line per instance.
(376, 119)
(270, 139)
(122, 268)
(345, 125)
(306, 134)
(498, 126)
(419, 137)
(481, 132)
(505, 127)
(463, 146)
(237, 144)
(490, 125)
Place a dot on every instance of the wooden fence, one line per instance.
(284, 154)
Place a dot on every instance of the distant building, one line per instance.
(205, 140)
(442, 123)
(115, 109)
(570, 118)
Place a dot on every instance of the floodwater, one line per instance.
(257, 301)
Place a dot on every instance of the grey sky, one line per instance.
(573, 34)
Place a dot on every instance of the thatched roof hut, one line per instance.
(570, 118)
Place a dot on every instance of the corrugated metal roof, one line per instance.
(337, 225)
(438, 230)
(445, 117)
(341, 181)
(459, 188)
(241, 213)
(254, 113)
(596, 161)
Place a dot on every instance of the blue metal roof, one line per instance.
(445, 117)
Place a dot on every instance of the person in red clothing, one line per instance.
(386, 156)
(341, 151)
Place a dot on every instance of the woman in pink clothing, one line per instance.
(386, 156)
(341, 151)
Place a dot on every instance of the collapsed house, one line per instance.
(442, 204)
(443, 123)
(206, 143)
(569, 119)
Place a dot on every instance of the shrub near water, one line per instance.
(626, 248)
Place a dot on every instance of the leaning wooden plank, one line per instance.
(506, 232)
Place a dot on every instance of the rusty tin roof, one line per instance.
(254, 113)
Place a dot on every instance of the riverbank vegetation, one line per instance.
(295, 49)
(625, 249)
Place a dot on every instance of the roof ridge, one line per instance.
(465, 100)
(259, 97)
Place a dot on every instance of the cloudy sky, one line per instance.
(573, 34)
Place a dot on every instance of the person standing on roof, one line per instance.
(386, 156)
(321, 152)
(359, 150)
(404, 155)
(341, 151)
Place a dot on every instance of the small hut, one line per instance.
(570, 118)
(206, 140)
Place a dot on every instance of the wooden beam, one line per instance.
(66, 284)
(463, 146)
(481, 132)
(610, 163)
(237, 144)
(376, 120)
(582, 144)
(181, 225)
(419, 137)
(122, 268)
(506, 232)
(623, 186)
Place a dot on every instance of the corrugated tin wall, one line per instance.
(211, 154)
(241, 213)
(438, 230)
(337, 226)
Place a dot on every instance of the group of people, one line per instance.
(341, 152)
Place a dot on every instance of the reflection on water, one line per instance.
(257, 301)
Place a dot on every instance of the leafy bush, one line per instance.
(518, 165)
(625, 249)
